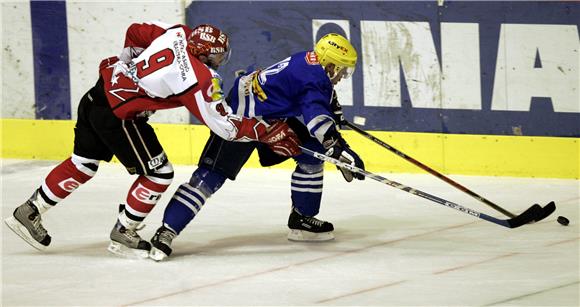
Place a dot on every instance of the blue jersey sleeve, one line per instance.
(316, 93)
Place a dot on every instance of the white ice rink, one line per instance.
(391, 249)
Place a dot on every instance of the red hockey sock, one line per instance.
(67, 177)
(143, 196)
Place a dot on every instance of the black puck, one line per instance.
(563, 221)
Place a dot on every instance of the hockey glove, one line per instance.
(276, 134)
(337, 148)
(281, 139)
(336, 109)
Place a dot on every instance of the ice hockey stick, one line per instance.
(526, 217)
(546, 211)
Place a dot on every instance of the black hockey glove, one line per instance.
(336, 109)
(337, 148)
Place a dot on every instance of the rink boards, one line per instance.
(484, 155)
(467, 87)
(464, 67)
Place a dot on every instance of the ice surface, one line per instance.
(391, 249)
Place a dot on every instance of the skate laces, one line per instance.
(165, 236)
(315, 221)
(37, 225)
(36, 220)
(131, 234)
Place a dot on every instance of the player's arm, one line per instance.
(315, 109)
(336, 109)
(140, 35)
(218, 116)
(321, 124)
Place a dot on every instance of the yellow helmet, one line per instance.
(335, 49)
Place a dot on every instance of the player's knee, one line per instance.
(310, 168)
(153, 167)
(308, 160)
(207, 181)
(163, 175)
(85, 165)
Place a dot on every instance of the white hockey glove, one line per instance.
(337, 148)
(129, 53)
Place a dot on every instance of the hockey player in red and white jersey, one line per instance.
(161, 67)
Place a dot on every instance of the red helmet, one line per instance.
(209, 41)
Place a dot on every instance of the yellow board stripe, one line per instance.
(483, 155)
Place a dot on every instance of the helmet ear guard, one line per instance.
(198, 48)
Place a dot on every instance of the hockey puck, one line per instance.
(563, 221)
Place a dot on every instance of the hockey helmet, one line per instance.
(209, 41)
(336, 49)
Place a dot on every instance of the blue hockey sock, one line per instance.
(306, 188)
(182, 208)
(190, 198)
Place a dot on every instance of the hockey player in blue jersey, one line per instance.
(300, 90)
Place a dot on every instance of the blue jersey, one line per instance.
(294, 87)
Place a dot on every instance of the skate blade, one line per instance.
(306, 236)
(157, 254)
(23, 233)
(126, 252)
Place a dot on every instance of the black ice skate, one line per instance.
(26, 223)
(126, 242)
(161, 243)
(305, 228)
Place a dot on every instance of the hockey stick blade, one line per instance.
(526, 217)
(546, 211)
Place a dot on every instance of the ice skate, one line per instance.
(127, 243)
(26, 223)
(161, 244)
(308, 229)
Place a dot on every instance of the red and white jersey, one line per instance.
(155, 71)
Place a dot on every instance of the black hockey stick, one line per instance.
(526, 217)
(546, 211)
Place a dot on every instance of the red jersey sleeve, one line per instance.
(141, 35)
